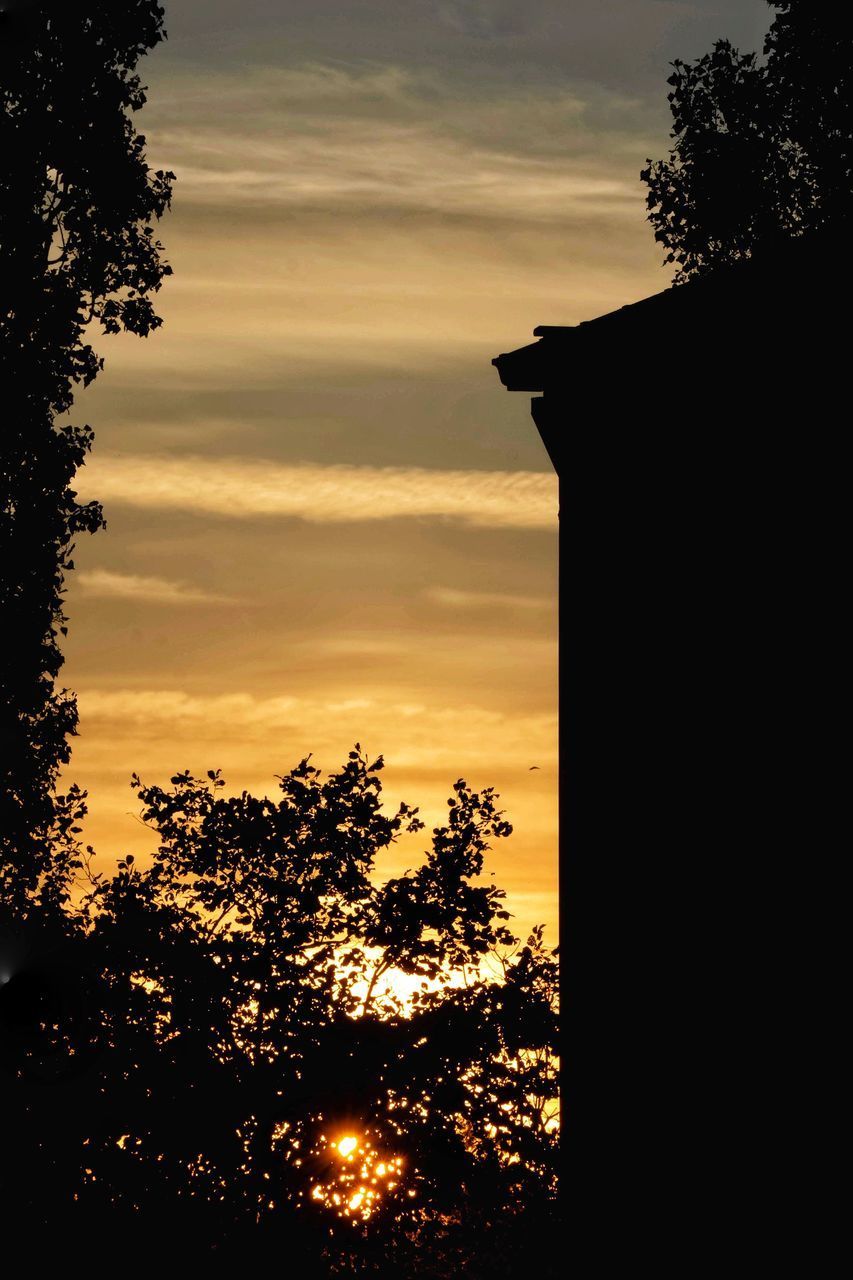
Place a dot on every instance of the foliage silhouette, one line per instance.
(223, 1022)
(183, 1045)
(763, 148)
(77, 201)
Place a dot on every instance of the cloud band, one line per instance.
(243, 489)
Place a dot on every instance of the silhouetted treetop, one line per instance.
(250, 1047)
(76, 195)
(77, 203)
(763, 147)
(233, 1026)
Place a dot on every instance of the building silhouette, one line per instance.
(699, 438)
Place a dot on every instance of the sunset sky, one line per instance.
(327, 521)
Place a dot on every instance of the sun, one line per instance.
(364, 1178)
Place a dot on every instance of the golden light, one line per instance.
(366, 1176)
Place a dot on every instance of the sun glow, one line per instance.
(362, 1179)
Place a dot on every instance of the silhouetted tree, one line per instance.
(76, 205)
(763, 147)
(184, 1046)
(227, 1026)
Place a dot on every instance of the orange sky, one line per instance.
(327, 521)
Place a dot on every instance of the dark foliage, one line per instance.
(76, 246)
(184, 1046)
(188, 1051)
(763, 147)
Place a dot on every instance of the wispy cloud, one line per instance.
(412, 735)
(106, 584)
(453, 599)
(394, 166)
(486, 19)
(385, 137)
(241, 489)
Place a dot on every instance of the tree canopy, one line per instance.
(763, 146)
(77, 203)
(252, 1047)
(240, 1072)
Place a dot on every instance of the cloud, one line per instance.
(105, 584)
(487, 19)
(620, 42)
(389, 138)
(244, 489)
(395, 172)
(453, 599)
(412, 735)
(395, 166)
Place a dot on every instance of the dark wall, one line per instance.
(703, 658)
